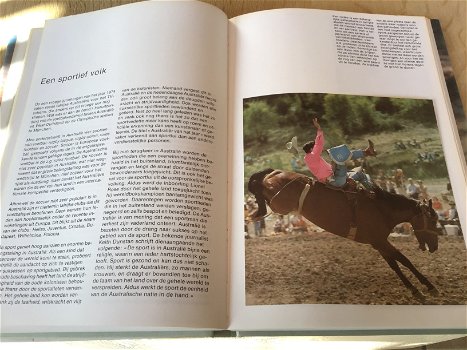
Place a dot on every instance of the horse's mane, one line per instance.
(394, 200)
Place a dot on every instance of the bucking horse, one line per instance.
(367, 219)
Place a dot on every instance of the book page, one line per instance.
(363, 77)
(114, 199)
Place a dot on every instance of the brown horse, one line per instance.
(341, 212)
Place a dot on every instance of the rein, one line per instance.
(301, 200)
(284, 187)
(302, 195)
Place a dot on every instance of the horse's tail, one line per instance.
(255, 186)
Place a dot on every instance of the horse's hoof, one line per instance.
(419, 296)
(433, 292)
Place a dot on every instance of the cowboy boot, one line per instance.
(370, 150)
(364, 180)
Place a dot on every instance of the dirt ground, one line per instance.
(321, 268)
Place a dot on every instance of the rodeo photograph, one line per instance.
(347, 200)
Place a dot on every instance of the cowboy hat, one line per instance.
(292, 145)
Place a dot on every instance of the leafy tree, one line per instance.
(415, 110)
(338, 111)
(385, 105)
(363, 115)
(259, 119)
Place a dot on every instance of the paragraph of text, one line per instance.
(50, 114)
(59, 163)
(165, 114)
(400, 44)
(355, 41)
(154, 238)
(49, 217)
(43, 273)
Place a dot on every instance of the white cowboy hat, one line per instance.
(292, 145)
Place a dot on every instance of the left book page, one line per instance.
(113, 180)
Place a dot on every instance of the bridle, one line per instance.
(282, 189)
(425, 213)
(301, 199)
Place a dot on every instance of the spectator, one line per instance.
(279, 225)
(298, 224)
(383, 183)
(423, 190)
(294, 163)
(252, 209)
(413, 191)
(246, 219)
(451, 213)
(438, 207)
(447, 195)
(262, 226)
(392, 187)
(399, 179)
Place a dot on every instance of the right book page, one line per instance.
(363, 77)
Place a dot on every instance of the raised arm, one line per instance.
(316, 124)
(319, 140)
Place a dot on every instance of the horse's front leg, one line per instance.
(415, 292)
(407, 263)
(388, 255)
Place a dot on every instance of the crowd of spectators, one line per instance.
(416, 189)
(283, 224)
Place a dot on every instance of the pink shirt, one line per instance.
(317, 165)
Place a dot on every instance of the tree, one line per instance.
(385, 105)
(259, 119)
(338, 111)
(415, 110)
(363, 115)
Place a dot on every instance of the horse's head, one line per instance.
(424, 224)
(255, 186)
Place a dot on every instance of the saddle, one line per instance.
(350, 185)
(352, 189)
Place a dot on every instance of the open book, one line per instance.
(131, 142)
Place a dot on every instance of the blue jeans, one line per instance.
(340, 173)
